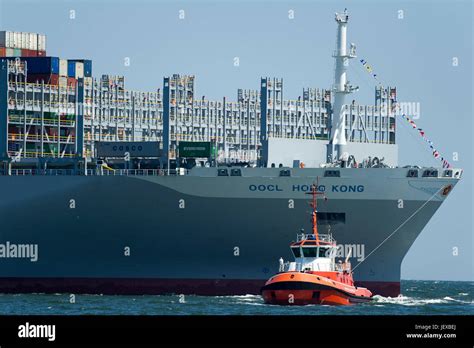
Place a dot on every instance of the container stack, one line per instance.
(19, 44)
(56, 71)
(42, 69)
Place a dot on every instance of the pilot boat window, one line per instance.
(296, 251)
(323, 252)
(309, 251)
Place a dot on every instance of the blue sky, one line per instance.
(415, 54)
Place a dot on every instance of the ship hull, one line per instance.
(209, 236)
(143, 286)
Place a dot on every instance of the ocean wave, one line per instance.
(252, 303)
(241, 297)
(409, 301)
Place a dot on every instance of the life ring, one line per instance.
(447, 189)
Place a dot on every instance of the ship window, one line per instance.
(309, 251)
(431, 173)
(296, 251)
(235, 172)
(412, 173)
(332, 173)
(285, 172)
(222, 172)
(448, 173)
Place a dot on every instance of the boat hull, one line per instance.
(297, 288)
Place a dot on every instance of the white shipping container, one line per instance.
(79, 70)
(11, 39)
(41, 42)
(20, 40)
(16, 40)
(63, 67)
(62, 81)
(32, 41)
(24, 40)
(7, 39)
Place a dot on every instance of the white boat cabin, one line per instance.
(313, 256)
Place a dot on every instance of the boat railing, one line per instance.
(313, 267)
(291, 267)
(343, 267)
(327, 238)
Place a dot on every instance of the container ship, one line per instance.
(113, 191)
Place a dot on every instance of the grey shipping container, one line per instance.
(134, 148)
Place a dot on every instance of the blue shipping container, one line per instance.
(71, 68)
(87, 66)
(42, 65)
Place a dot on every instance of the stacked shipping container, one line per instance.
(50, 70)
(19, 44)
(31, 47)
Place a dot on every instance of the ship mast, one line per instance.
(314, 204)
(341, 88)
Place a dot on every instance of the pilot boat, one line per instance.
(314, 277)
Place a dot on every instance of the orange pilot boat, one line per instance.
(315, 277)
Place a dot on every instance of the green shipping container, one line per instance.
(30, 147)
(196, 149)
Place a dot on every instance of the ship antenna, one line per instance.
(314, 204)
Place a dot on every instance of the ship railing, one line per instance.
(95, 172)
(144, 172)
(35, 172)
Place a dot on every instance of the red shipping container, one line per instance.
(28, 53)
(71, 82)
(49, 79)
(2, 52)
(41, 54)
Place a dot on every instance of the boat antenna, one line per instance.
(314, 205)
